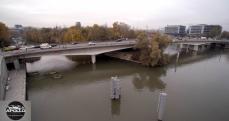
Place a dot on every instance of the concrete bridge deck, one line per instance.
(79, 49)
(200, 41)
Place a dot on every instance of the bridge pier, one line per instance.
(93, 59)
(16, 64)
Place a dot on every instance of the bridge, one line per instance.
(200, 41)
(197, 45)
(78, 49)
(100, 48)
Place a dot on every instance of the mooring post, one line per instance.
(93, 59)
(161, 105)
(178, 55)
(115, 88)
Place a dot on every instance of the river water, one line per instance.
(197, 88)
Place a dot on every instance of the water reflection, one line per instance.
(83, 93)
(115, 107)
(50, 63)
(187, 59)
(150, 79)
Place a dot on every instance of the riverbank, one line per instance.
(16, 85)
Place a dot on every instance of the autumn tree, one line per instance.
(33, 35)
(151, 49)
(120, 30)
(73, 34)
(99, 33)
(4, 35)
(79, 33)
(158, 43)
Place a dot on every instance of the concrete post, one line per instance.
(181, 46)
(115, 88)
(93, 59)
(16, 64)
(187, 48)
(196, 47)
(161, 105)
(178, 55)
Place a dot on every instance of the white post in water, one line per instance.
(93, 59)
(115, 88)
(161, 105)
(178, 55)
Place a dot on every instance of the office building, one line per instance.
(175, 30)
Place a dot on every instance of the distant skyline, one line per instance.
(143, 14)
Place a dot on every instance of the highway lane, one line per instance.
(67, 46)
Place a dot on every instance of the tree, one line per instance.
(225, 35)
(120, 30)
(33, 35)
(98, 33)
(4, 35)
(79, 33)
(215, 31)
(159, 43)
(73, 34)
(142, 41)
(151, 49)
(143, 46)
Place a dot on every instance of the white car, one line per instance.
(23, 47)
(45, 46)
(91, 43)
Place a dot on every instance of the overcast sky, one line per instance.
(151, 14)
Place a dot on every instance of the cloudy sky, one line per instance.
(151, 14)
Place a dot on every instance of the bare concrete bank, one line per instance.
(13, 82)
(17, 85)
(3, 77)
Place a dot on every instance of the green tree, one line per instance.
(4, 35)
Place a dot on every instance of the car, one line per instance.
(36, 46)
(74, 43)
(53, 45)
(91, 43)
(30, 46)
(10, 48)
(118, 40)
(23, 48)
(45, 46)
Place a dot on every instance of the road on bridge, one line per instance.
(67, 47)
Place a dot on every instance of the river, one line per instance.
(197, 88)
